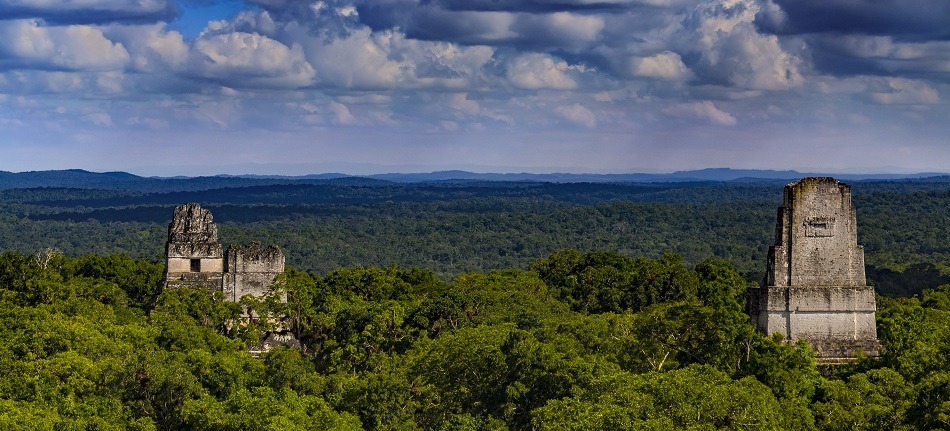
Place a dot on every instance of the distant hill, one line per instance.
(65, 178)
(709, 174)
(81, 179)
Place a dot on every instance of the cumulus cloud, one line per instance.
(537, 71)
(466, 65)
(30, 44)
(665, 65)
(732, 52)
(704, 111)
(249, 59)
(360, 58)
(152, 48)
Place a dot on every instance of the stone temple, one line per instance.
(194, 258)
(815, 288)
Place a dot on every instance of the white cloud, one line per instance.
(577, 114)
(32, 45)
(655, 77)
(537, 71)
(754, 61)
(705, 111)
(386, 59)
(665, 65)
(153, 48)
(341, 114)
(251, 60)
(733, 52)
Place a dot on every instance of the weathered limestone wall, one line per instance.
(251, 270)
(815, 285)
(193, 256)
(182, 264)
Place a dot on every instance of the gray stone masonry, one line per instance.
(194, 259)
(193, 256)
(815, 287)
(251, 269)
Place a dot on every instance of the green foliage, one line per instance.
(876, 400)
(695, 397)
(584, 341)
(139, 279)
(915, 336)
(454, 228)
(263, 408)
(598, 282)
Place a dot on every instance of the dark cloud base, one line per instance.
(903, 19)
(66, 16)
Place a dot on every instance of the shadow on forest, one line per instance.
(911, 281)
(162, 214)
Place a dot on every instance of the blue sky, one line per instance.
(165, 87)
(194, 16)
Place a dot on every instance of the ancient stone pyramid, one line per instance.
(815, 287)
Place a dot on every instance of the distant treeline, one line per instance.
(456, 227)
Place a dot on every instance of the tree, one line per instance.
(695, 397)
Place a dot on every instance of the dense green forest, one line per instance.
(459, 306)
(457, 227)
(579, 341)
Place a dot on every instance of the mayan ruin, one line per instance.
(815, 287)
(194, 258)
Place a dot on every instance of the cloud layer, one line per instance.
(610, 84)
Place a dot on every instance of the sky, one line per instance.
(201, 87)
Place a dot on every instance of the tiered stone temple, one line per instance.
(815, 287)
(194, 258)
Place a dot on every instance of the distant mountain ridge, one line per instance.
(78, 178)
